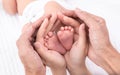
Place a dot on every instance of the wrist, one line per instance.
(35, 72)
(79, 70)
(111, 59)
(59, 71)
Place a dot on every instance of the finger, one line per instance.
(76, 36)
(41, 49)
(97, 18)
(26, 37)
(79, 47)
(42, 29)
(68, 21)
(52, 22)
(69, 13)
(82, 35)
(87, 18)
(38, 23)
(25, 27)
(24, 45)
(56, 26)
(28, 55)
(81, 42)
(28, 33)
(32, 27)
(53, 19)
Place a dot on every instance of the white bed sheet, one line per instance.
(10, 29)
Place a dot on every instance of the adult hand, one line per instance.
(100, 48)
(75, 58)
(30, 58)
(50, 57)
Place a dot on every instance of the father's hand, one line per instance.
(31, 60)
(98, 34)
(100, 48)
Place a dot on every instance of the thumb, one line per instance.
(41, 49)
(82, 36)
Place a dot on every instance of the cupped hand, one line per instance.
(51, 58)
(98, 35)
(97, 32)
(28, 55)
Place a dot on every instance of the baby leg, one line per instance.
(21, 4)
(10, 6)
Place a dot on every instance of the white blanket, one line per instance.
(10, 29)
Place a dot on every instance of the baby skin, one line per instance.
(60, 42)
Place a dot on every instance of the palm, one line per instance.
(74, 56)
(30, 57)
(52, 58)
(55, 58)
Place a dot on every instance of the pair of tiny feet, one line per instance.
(61, 41)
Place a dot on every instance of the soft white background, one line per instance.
(10, 28)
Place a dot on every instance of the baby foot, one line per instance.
(65, 36)
(52, 43)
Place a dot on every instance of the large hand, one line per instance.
(51, 58)
(30, 58)
(100, 48)
(98, 34)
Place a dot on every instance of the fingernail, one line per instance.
(82, 26)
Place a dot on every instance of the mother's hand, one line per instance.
(30, 58)
(51, 58)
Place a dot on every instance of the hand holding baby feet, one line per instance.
(51, 58)
(75, 58)
(65, 36)
(52, 43)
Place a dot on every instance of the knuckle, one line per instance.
(22, 54)
(83, 12)
(18, 42)
(102, 21)
(85, 15)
